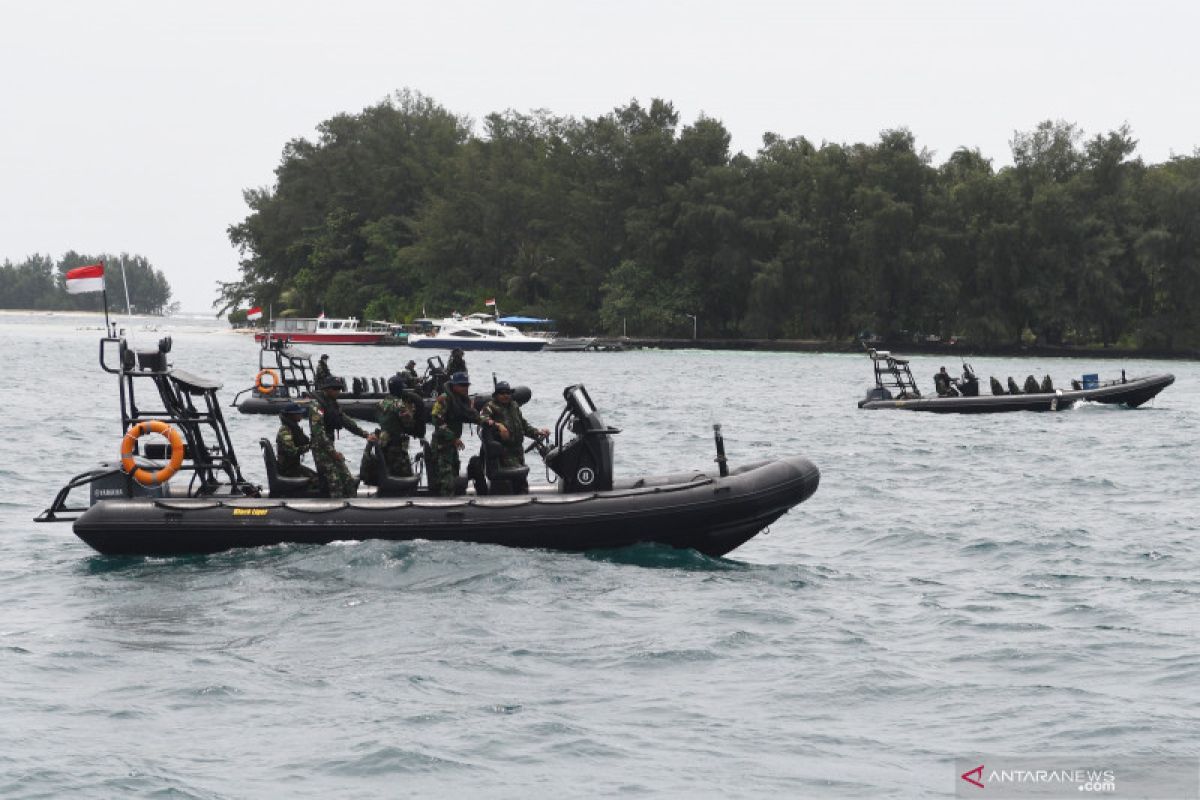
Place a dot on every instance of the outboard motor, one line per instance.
(585, 463)
(877, 393)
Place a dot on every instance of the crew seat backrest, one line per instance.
(501, 480)
(392, 485)
(279, 485)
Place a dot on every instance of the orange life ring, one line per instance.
(262, 387)
(143, 476)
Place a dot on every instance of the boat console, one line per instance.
(585, 461)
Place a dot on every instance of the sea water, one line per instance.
(1026, 584)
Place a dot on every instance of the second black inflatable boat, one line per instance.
(895, 387)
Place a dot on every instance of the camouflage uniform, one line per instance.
(290, 445)
(457, 364)
(448, 415)
(322, 370)
(397, 418)
(509, 415)
(411, 376)
(324, 418)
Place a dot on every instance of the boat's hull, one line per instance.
(498, 343)
(713, 515)
(325, 338)
(364, 408)
(1131, 393)
(570, 344)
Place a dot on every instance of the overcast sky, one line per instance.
(134, 126)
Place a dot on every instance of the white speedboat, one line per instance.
(475, 332)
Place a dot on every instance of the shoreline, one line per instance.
(954, 351)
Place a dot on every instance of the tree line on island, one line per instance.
(38, 283)
(634, 222)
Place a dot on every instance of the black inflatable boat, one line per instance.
(191, 497)
(895, 387)
(286, 375)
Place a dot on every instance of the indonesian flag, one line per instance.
(82, 280)
(254, 313)
(490, 302)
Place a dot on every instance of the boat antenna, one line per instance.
(108, 326)
(722, 464)
(128, 308)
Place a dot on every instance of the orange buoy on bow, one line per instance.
(261, 383)
(144, 476)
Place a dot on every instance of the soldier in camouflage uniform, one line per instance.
(325, 418)
(398, 418)
(511, 425)
(451, 409)
(291, 444)
(322, 370)
(457, 362)
(410, 374)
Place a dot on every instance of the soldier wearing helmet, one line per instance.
(291, 444)
(451, 411)
(398, 417)
(322, 370)
(457, 362)
(325, 419)
(510, 425)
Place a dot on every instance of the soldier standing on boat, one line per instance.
(398, 417)
(325, 419)
(291, 444)
(457, 362)
(511, 425)
(322, 371)
(451, 409)
(410, 372)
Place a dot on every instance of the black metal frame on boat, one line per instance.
(208, 448)
(892, 373)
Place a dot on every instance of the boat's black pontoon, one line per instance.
(895, 388)
(586, 507)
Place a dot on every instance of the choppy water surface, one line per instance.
(1017, 584)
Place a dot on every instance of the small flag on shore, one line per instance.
(254, 313)
(82, 280)
(491, 302)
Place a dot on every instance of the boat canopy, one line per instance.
(525, 321)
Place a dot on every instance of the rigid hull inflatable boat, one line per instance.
(286, 375)
(895, 387)
(148, 505)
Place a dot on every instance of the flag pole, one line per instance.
(107, 325)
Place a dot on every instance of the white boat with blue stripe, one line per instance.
(475, 332)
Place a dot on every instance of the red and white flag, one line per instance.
(82, 280)
(490, 302)
(254, 313)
